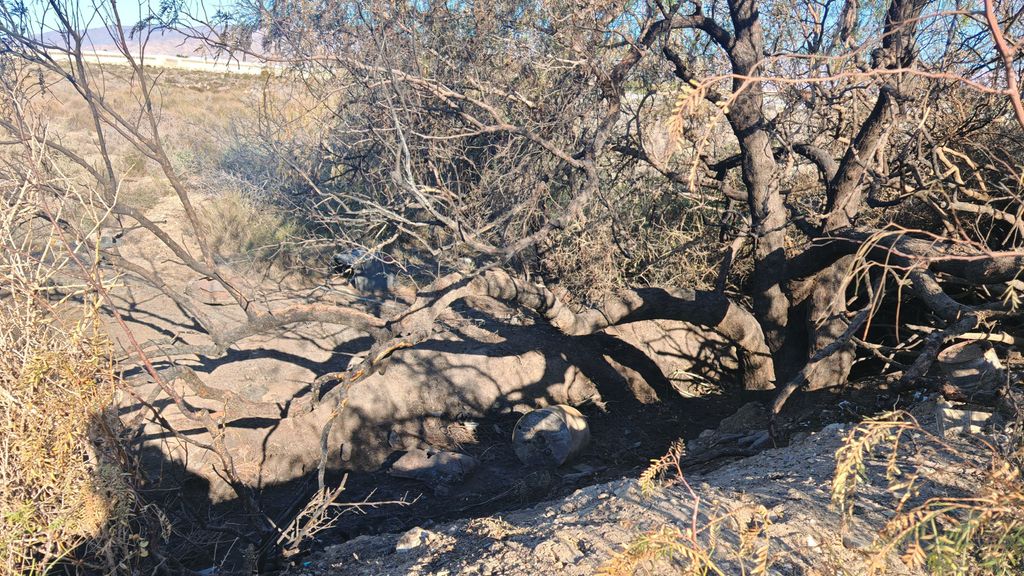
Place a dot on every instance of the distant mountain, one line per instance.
(158, 43)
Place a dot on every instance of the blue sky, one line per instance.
(131, 11)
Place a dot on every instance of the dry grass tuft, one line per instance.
(245, 230)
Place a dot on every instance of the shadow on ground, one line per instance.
(630, 384)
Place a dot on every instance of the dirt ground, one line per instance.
(641, 387)
(579, 533)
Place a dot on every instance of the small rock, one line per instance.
(623, 490)
(812, 542)
(550, 436)
(566, 554)
(756, 441)
(855, 541)
(414, 538)
(697, 446)
(209, 291)
(798, 437)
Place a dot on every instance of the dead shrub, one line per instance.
(629, 239)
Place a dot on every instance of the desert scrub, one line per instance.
(245, 230)
(58, 487)
(979, 531)
(66, 494)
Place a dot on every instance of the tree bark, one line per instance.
(709, 309)
(759, 166)
(826, 322)
(847, 190)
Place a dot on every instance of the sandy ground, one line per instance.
(579, 534)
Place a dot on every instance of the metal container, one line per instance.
(970, 365)
(550, 437)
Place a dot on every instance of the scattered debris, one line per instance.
(367, 272)
(743, 433)
(577, 535)
(949, 420)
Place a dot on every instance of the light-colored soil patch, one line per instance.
(578, 535)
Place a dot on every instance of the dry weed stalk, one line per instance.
(718, 540)
(314, 517)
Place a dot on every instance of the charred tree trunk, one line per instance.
(758, 165)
